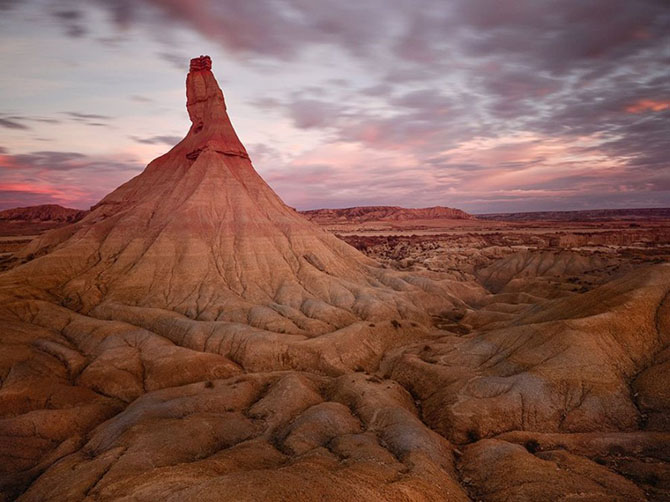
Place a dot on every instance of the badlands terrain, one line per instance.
(193, 338)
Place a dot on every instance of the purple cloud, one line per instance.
(537, 103)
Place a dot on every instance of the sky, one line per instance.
(483, 105)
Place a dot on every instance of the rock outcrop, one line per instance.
(363, 214)
(44, 213)
(201, 234)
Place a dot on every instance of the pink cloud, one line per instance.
(67, 178)
(648, 105)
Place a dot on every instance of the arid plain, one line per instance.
(194, 338)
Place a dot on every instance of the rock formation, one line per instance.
(644, 214)
(201, 234)
(362, 214)
(193, 338)
(190, 272)
(43, 213)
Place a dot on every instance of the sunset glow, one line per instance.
(645, 105)
(537, 107)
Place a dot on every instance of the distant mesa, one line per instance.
(360, 214)
(43, 213)
(644, 214)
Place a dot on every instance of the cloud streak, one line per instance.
(12, 123)
(67, 178)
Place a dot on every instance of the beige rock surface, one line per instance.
(193, 338)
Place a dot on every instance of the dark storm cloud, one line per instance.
(279, 29)
(562, 35)
(559, 68)
(557, 36)
(526, 50)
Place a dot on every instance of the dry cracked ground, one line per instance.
(193, 338)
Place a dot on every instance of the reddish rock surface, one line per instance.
(44, 213)
(384, 213)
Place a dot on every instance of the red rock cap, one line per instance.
(201, 63)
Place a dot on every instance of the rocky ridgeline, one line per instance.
(361, 214)
(43, 213)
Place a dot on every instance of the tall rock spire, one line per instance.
(211, 126)
(200, 233)
(189, 273)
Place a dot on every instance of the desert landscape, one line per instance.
(192, 337)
